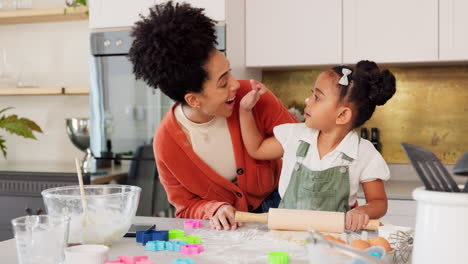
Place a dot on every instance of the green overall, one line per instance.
(326, 190)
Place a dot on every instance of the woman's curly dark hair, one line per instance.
(171, 46)
(368, 87)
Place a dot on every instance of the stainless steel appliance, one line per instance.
(124, 112)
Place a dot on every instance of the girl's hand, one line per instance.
(251, 98)
(224, 219)
(356, 219)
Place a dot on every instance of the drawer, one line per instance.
(6, 233)
(13, 207)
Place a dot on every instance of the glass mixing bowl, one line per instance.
(111, 209)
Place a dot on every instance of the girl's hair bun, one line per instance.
(382, 88)
(381, 85)
(369, 87)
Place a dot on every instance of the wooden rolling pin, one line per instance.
(302, 220)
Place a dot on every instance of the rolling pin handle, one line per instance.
(250, 217)
(373, 225)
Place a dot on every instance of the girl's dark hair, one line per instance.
(171, 46)
(368, 87)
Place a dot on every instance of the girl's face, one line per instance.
(219, 91)
(323, 104)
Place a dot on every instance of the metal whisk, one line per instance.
(402, 243)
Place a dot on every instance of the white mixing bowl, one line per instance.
(111, 209)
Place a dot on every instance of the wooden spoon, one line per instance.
(84, 203)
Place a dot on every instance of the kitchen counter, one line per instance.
(249, 244)
(397, 190)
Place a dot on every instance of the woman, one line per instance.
(202, 162)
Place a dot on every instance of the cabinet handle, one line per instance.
(28, 211)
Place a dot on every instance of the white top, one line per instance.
(368, 164)
(211, 141)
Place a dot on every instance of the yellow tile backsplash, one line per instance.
(429, 109)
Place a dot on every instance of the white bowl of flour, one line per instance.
(111, 209)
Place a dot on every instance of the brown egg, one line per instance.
(329, 237)
(380, 241)
(360, 244)
(340, 241)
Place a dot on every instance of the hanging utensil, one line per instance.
(430, 170)
(461, 168)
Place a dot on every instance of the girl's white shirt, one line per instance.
(368, 164)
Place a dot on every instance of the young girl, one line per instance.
(324, 159)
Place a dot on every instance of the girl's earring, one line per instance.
(306, 100)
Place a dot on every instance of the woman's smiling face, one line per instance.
(218, 95)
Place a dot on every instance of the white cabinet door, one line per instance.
(124, 13)
(390, 31)
(116, 13)
(293, 33)
(453, 39)
(214, 9)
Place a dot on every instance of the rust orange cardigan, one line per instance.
(196, 190)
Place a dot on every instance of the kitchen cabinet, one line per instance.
(399, 212)
(123, 13)
(13, 207)
(453, 37)
(390, 31)
(22, 190)
(297, 33)
(307, 33)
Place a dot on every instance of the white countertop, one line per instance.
(249, 244)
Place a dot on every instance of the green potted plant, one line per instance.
(19, 126)
(74, 4)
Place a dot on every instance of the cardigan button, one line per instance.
(239, 194)
(250, 207)
(240, 171)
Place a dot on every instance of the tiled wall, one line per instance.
(430, 108)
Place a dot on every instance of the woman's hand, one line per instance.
(251, 98)
(356, 219)
(224, 219)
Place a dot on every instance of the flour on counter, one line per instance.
(297, 237)
(254, 241)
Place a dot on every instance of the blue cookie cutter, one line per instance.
(175, 245)
(156, 245)
(139, 234)
(183, 261)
